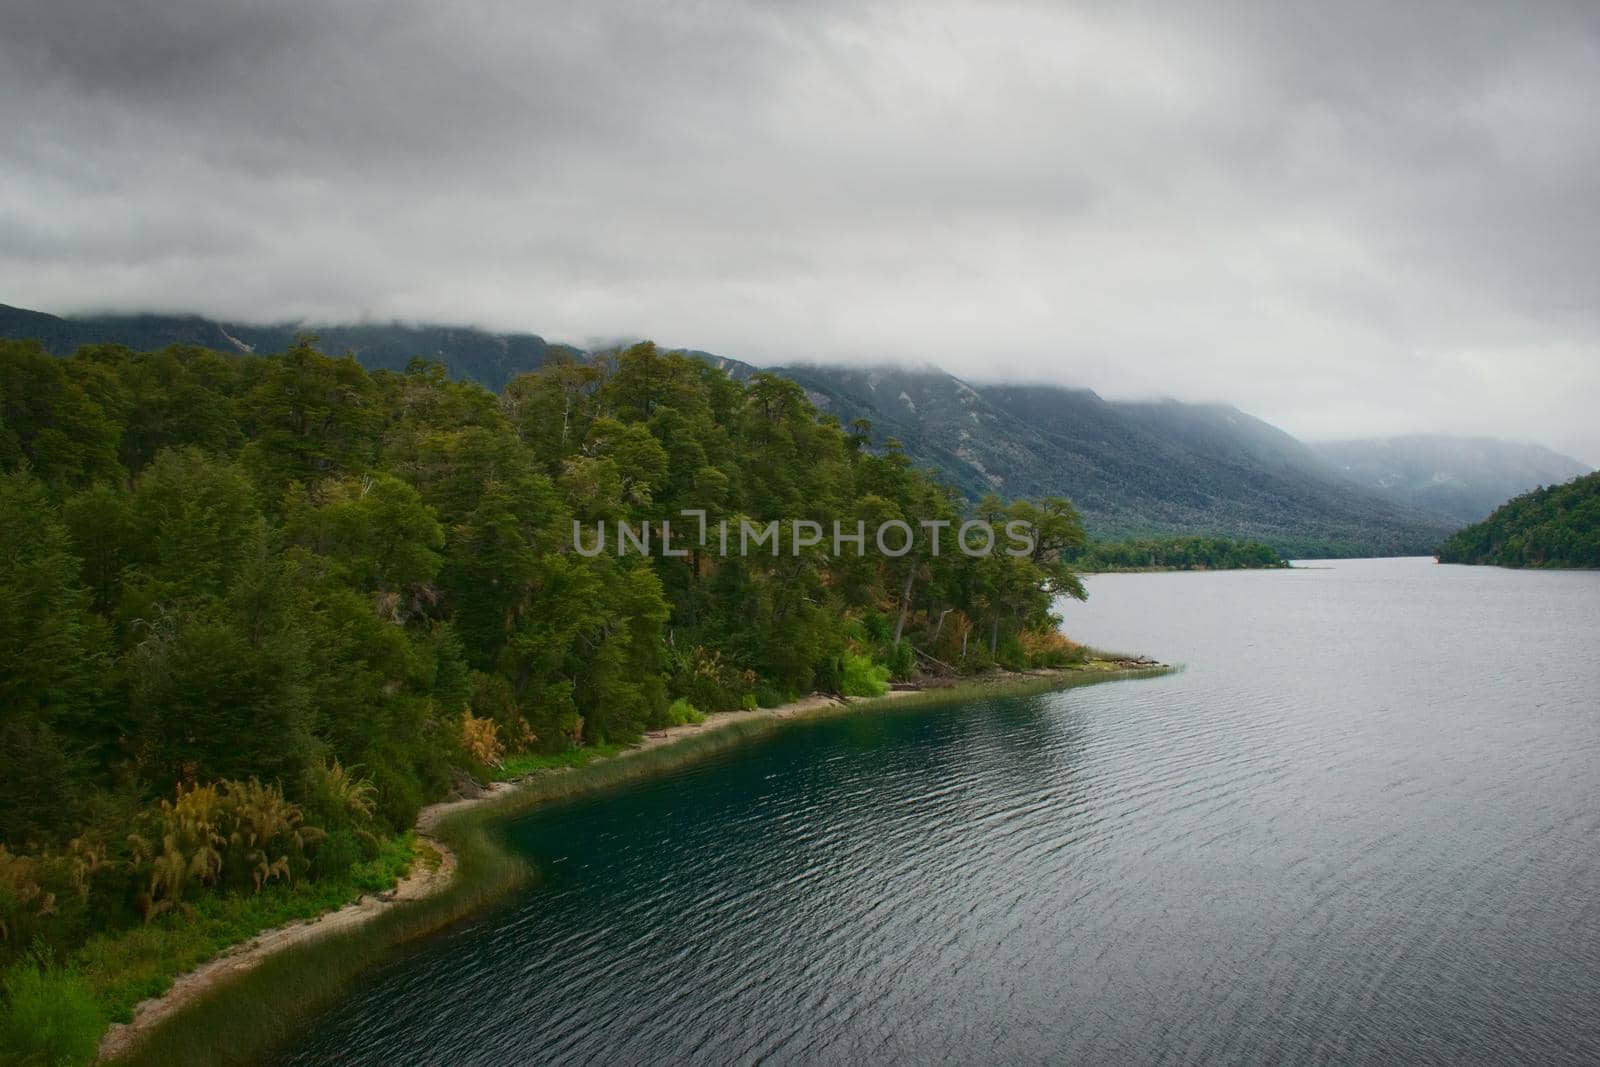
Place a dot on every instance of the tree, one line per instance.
(54, 667)
(310, 416)
(50, 421)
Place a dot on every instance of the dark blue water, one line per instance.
(1363, 826)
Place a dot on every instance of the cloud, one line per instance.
(1351, 218)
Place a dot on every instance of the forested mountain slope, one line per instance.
(1556, 526)
(1132, 469)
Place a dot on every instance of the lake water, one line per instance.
(1362, 826)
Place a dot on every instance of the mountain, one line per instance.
(490, 359)
(1462, 477)
(1133, 469)
(1555, 526)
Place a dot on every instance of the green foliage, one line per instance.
(1134, 469)
(50, 421)
(863, 678)
(49, 1017)
(233, 834)
(1176, 554)
(681, 713)
(256, 611)
(335, 854)
(53, 665)
(1555, 526)
(567, 759)
(708, 679)
(126, 966)
(338, 797)
(256, 1012)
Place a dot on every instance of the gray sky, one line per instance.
(1347, 218)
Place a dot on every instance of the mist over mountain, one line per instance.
(1464, 478)
(1132, 468)
(490, 359)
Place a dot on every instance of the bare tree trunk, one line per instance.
(905, 603)
(994, 635)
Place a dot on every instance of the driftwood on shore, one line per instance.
(944, 667)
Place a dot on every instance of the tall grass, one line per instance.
(50, 1015)
(245, 1019)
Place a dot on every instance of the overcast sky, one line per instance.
(1347, 218)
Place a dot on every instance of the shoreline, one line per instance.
(438, 893)
(1285, 566)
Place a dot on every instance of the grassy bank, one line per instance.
(111, 972)
(245, 1018)
(125, 968)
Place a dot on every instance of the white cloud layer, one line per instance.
(1348, 218)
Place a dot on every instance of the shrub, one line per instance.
(336, 854)
(23, 899)
(901, 660)
(400, 796)
(863, 678)
(236, 833)
(481, 740)
(1049, 648)
(874, 626)
(681, 712)
(707, 680)
(768, 696)
(830, 675)
(50, 1016)
(340, 797)
(493, 698)
(955, 638)
(1008, 653)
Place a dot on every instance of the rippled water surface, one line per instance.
(1362, 826)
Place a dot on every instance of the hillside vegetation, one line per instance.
(1176, 554)
(256, 611)
(1556, 526)
(1133, 470)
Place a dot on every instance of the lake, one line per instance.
(1361, 826)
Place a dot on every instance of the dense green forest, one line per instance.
(1132, 469)
(1556, 526)
(256, 611)
(1175, 554)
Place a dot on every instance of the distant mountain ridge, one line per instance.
(491, 359)
(1464, 478)
(1134, 469)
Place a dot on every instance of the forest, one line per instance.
(1132, 469)
(1553, 526)
(256, 611)
(1175, 554)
